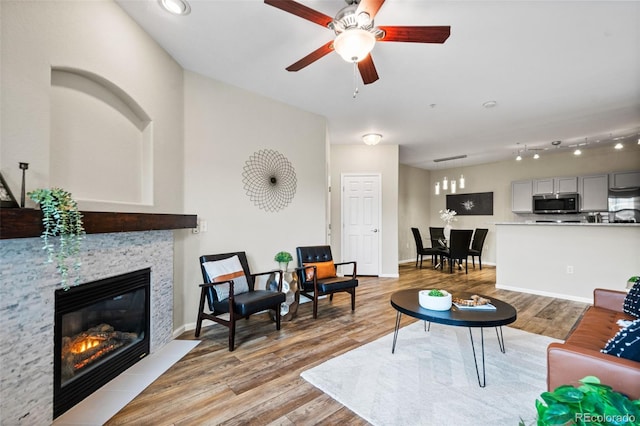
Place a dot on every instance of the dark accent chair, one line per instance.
(239, 305)
(459, 248)
(476, 246)
(434, 251)
(318, 285)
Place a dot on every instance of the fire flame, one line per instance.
(84, 345)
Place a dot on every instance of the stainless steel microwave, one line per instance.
(556, 203)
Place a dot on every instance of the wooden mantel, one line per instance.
(27, 223)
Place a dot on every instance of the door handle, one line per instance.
(374, 230)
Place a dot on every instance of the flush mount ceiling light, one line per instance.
(619, 146)
(372, 138)
(577, 151)
(177, 7)
(490, 104)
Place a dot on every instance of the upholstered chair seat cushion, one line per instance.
(251, 302)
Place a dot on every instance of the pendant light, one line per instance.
(437, 188)
(445, 183)
(453, 186)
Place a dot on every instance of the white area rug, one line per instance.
(431, 378)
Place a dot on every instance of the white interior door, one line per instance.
(361, 221)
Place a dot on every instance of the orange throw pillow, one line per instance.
(325, 270)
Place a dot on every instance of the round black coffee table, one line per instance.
(406, 302)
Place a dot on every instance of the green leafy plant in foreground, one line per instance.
(591, 403)
(60, 218)
(436, 293)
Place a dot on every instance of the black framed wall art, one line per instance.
(476, 204)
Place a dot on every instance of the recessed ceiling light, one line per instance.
(177, 7)
(489, 104)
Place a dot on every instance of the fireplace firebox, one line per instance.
(101, 329)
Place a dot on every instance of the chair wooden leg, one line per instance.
(466, 266)
(417, 257)
(315, 305)
(480, 262)
(353, 299)
(232, 331)
(473, 261)
(277, 309)
(200, 312)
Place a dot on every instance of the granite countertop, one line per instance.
(567, 224)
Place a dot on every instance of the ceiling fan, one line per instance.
(356, 33)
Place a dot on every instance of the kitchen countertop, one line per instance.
(567, 224)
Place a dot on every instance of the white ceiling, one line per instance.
(558, 70)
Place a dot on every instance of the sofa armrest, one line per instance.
(566, 364)
(609, 299)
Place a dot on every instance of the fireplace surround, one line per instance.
(101, 329)
(27, 299)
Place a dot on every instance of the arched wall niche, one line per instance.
(101, 140)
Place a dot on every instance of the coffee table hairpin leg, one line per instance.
(500, 336)
(395, 332)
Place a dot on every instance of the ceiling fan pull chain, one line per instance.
(355, 79)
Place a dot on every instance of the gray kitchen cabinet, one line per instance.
(593, 193)
(624, 179)
(556, 185)
(565, 185)
(521, 196)
(543, 186)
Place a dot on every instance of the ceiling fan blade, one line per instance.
(312, 57)
(368, 70)
(416, 34)
(370, 6)
(301, 11)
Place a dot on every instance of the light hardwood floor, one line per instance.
(259, 383)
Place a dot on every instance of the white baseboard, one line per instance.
(545, 293)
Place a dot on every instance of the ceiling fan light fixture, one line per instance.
(536, 156)
(176, 7)
(619, 146)
(354, 44)
(372, 138)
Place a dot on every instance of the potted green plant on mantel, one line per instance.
(591, 403)
(60, 218)
(283, 258)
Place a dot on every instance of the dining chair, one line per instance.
(477, 244)
(434, 251)
(458, 248)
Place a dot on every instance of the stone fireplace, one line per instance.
(27, 302)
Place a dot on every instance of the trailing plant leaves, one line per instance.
(60, 218)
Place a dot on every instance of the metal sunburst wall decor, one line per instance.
(269, 179)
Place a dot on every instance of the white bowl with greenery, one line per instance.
(434, 299)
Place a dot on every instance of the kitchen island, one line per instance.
(566, 260)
